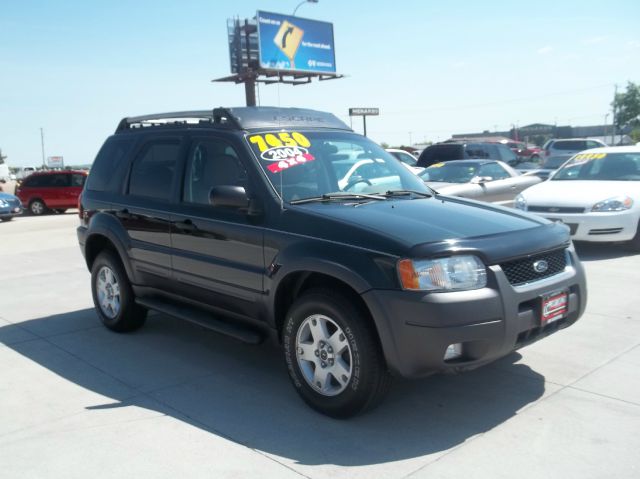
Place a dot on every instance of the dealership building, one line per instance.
(539, 133)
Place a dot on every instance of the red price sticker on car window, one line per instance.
(289, 159)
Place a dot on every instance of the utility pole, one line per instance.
(42, 144)
(613, 122)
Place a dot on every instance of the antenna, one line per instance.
(281, 193)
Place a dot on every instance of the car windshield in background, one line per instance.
(450, 172)
(601, 167)
(303, 165)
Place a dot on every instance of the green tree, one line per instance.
(627, 107)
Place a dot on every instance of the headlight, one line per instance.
(521, 203)
(618, 203)
(3, 204)
(443, 274)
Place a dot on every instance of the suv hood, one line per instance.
(430, 226)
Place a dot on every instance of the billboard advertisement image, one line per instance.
(295, 44)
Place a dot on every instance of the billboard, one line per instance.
(55, 162)
(295, 44)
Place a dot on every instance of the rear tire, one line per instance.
(37, 207)
(113, 296)
(333, 356)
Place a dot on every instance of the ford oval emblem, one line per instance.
(554, 209)
(540, 266)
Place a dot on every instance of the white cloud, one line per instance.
(594, 40)
(545, 50)
(633, 44)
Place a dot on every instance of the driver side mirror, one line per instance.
(478, 180)
(233, 197)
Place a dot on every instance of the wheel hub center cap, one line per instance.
(324, 355)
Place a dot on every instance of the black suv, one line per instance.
(450, 150)
(284, 224)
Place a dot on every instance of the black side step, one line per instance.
(202, 318)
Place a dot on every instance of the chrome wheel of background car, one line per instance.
(108, 291)
(37, 207)
(324, 355)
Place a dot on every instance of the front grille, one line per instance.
(520, 271)
(605, 231)
(555, 209)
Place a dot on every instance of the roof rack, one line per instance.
(217, 116)
(242, 118)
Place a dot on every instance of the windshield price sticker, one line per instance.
(283, 150)
(590, 156)
(283, 138)
(282, 158)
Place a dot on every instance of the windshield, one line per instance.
(315, 163)
(450, 172)
(601, 167)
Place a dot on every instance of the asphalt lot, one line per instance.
(174, 400)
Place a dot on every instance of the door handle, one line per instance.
(186, 226)
(124, 214)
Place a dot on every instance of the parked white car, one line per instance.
(596, 194)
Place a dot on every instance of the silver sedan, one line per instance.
(484, 180)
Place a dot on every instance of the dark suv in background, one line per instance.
(447, 151)
(284, 224)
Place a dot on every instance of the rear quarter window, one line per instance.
(438, 153)
(570, 145)
(108, 170)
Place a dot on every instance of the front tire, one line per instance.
(333, 356)
(112, 295)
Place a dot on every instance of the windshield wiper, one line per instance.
(338, 196)
(407, 192)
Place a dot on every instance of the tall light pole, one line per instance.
(302, 3)
(42, 144)
(604, 133)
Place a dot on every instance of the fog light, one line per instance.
(453, 351)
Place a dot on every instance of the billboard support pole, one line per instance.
(364, 123)
(249, 80)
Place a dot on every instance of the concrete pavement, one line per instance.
(174, 400)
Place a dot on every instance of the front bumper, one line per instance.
(599, 227)
(10, 212)
(415, 328)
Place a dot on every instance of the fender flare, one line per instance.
(108, 227)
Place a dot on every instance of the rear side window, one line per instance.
(438, 153)
(570, 145)
(478, 150)
(59, 180)
(34, 181)
(78, 180)
(154, 169)
(109, 166)
(506, 155)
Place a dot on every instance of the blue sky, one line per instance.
(433, 68)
